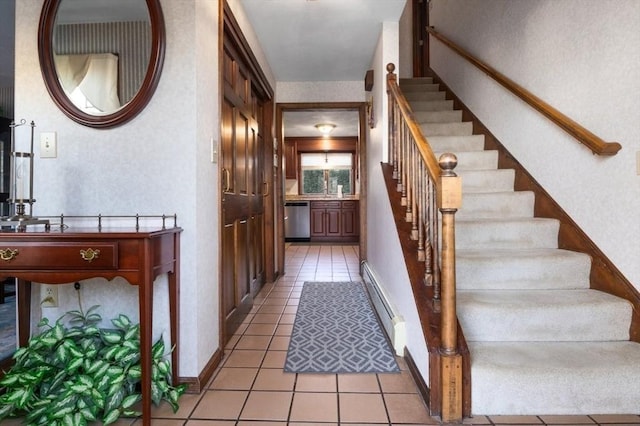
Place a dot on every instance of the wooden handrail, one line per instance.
(584, 136)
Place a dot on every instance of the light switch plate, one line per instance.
(48, 145)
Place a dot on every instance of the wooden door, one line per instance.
(242, 162)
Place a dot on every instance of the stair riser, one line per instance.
(498, 320)
(415, 81)
(437, 116)
(496, 205)
(424, 87)
(431, 106)
(418, 97)
(506, 270)
(480, 160)
(482, 181)
(493, 235)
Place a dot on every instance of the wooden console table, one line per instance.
(62, 256)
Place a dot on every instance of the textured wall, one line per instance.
(157, 163)
(582, 58)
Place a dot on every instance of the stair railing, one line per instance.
(428, 186)
(584, 136)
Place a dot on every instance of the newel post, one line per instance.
(449, 201)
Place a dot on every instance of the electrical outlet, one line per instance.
(49, 296)
(48, 145)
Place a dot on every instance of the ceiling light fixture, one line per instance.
(325, 128)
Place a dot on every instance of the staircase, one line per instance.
(541, 341)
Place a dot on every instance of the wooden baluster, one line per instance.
(417, 161)
(421, 210)
(410, 175)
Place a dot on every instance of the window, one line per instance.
(325, 173)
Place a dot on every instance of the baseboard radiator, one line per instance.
(393, 323)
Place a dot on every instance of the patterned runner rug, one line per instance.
(337, 331)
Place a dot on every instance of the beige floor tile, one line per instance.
(271, 309)
(567, 420)
(358, 383)
(287, 319)
(407, 408)
(244, 358)
(261, 318)
(617, 418)
(209, 423)
(253, 342)
(284, 330)
(260, 423)
(476, 420)
(267, 406)
(160, 422)
(314, 407)
(362, 407)
(529, 420)
(235, 378)
(232, 341)
(274, 379)
(275, 301)
(220, 404)
(316, 383)
(260, 329)
(279, 343)
(397, 383)
(274, 359)
(290, 310)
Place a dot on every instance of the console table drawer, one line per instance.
(85, 255)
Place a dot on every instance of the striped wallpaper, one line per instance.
(131, 41)
(6, 102)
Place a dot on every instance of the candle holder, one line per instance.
(21, 185)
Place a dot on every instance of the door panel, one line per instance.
(242, 165)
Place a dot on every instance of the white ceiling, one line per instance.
(320, 40)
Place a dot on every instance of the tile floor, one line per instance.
(251, 389)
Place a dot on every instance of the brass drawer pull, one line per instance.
(8, 254)
(89, 254)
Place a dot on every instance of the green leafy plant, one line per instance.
(72, 375)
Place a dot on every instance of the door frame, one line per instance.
(361, 150)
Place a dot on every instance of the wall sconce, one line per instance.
(325, 128)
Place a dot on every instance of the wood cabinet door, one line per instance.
(333, 223)
(290, 160)
(350, 222)
(242, 163)
(318, 227)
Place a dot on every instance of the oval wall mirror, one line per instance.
(101, 60)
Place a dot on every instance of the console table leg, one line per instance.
(23, 291)
(146, 327)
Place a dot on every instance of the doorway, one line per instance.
(291, 119)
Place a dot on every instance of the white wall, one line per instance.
(580, 56)
(157, 163)
(384, 253)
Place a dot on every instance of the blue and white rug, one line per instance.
(337, 331)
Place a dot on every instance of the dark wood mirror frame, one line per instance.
(126, 112)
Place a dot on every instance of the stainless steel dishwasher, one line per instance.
(297, 221)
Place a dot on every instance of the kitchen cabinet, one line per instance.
(334, 220)
(290, 160)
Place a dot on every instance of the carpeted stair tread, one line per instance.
(513, 233)
(543, 315)
(508, 204)
(521, 269)
(464, 143)
(420, 96)
(438, 116)
(520, 378)
(425, 106)
(415, 81)
(422, 87)
(447, 129)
